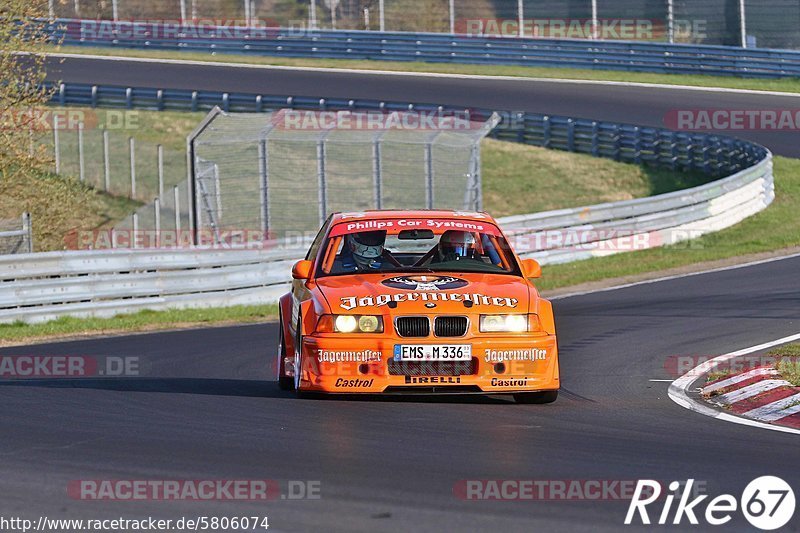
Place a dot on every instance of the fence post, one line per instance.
(81, 173)
(312, 14)
(31, 143)
(521, 18)
(194, 9)
(377, 178)
(476, 162)
(51, 9)
(77, 9)
(671, 21)
(56, 143)
(106, 162)
(247, 13)
(429, 175)
(157, 221)
(594, 20)
(135, 236)
(217, 191)
(322, 181)
(177, 197)
(546, 132)
(743, 23)
(381, 15)
(570, 135)
(114, 10)
(183, 10)
(263, 172)
(132, 149)
(27, 228)
(160, 153)
(190, 207)
(452, 16)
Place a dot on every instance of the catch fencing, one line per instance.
(752, 23)
(284, 172)
(101, 150)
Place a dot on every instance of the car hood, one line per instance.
(425, 293)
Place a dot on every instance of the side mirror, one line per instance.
(302, 269)
(531, 268)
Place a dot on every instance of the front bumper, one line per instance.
(354, 364)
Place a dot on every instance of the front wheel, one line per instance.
(536, 397)
(298, 362)
(284, 382)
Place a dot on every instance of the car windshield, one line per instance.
(416, 245)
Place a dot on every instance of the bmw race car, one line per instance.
(416, 302)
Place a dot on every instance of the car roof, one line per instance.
(376, 214)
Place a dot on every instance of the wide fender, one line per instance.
(544, 308)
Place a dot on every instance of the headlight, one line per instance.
(357, 324)
(345, 323)
(369, 323)
(508, 323)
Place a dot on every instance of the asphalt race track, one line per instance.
(637, 105)
(204, 406)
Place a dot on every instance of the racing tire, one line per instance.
(285, 383)
(298, 363)
(548, 396)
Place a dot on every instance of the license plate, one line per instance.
(432, 352)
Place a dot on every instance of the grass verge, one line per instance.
(791, 85)
(789, 365)
(66, 327)
(775, 228)
(520, 179)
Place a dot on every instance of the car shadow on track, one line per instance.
(210, 386)
(237, 387)
(245, 388)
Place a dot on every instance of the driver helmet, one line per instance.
(455, 245)
(366, 247)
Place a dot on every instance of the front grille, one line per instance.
(450, 326)
(413, 326)
(432, 368)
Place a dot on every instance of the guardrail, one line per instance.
(435, 48)
(43, 286)
(39, 287)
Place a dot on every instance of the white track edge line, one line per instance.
(423, 74)
(678, 389)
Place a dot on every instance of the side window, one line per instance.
(314, 249)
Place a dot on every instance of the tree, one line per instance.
(23, 44)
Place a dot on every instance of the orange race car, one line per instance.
(416, 301)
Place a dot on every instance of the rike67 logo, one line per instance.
(767, 502)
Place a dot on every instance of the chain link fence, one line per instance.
(754, 23)
(277, 176)
(113, 161)
(16, 235)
